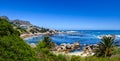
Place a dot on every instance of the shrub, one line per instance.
(106, 47)
(6, 29)
(13, 48)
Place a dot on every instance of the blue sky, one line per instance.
(65, 14)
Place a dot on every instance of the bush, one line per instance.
(61, 57)
(106, 47)
(13, 48)
(75, 58)
(44, 51)
(6, 29)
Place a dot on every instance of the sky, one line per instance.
(65, 14)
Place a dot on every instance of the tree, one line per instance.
(48, 42)
(106, 46)
(13, 48)
(44, 53)
(6, 29)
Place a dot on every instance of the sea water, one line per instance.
(81, 36)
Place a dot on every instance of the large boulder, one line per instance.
(77, 45)
(33, 45)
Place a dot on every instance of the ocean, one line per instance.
(81, 36)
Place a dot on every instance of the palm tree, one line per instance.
(48, 42)
(106, 46)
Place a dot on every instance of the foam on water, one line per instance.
(82, 36)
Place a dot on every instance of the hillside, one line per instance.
(12, 47)
(21, 22)
(25, 27)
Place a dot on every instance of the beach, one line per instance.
(85, 38)
(79, 53)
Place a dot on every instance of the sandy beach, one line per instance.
(78, 53)
(26, 36)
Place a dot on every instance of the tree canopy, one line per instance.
(12, 47)
(106, 46)
(6, 29)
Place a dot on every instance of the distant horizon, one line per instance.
(88, 30)
(63, 29)
(65, 14)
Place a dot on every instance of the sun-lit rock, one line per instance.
(33, 45)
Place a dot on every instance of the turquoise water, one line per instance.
(82, 36)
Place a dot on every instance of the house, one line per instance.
(25, 26)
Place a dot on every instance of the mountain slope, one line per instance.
(12, 47)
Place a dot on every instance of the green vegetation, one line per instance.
(22, 27)
(94, 58)
(106, 47)
(44, 29)
(13, 48)
(44, 53)
(106, 51)
(21, 30)
(6, 29)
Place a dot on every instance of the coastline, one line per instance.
(24, 36)
(76, 53)
(79, 53)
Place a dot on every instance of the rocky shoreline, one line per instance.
(68, 49)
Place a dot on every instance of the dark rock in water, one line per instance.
(68, 47)
(76, 44)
